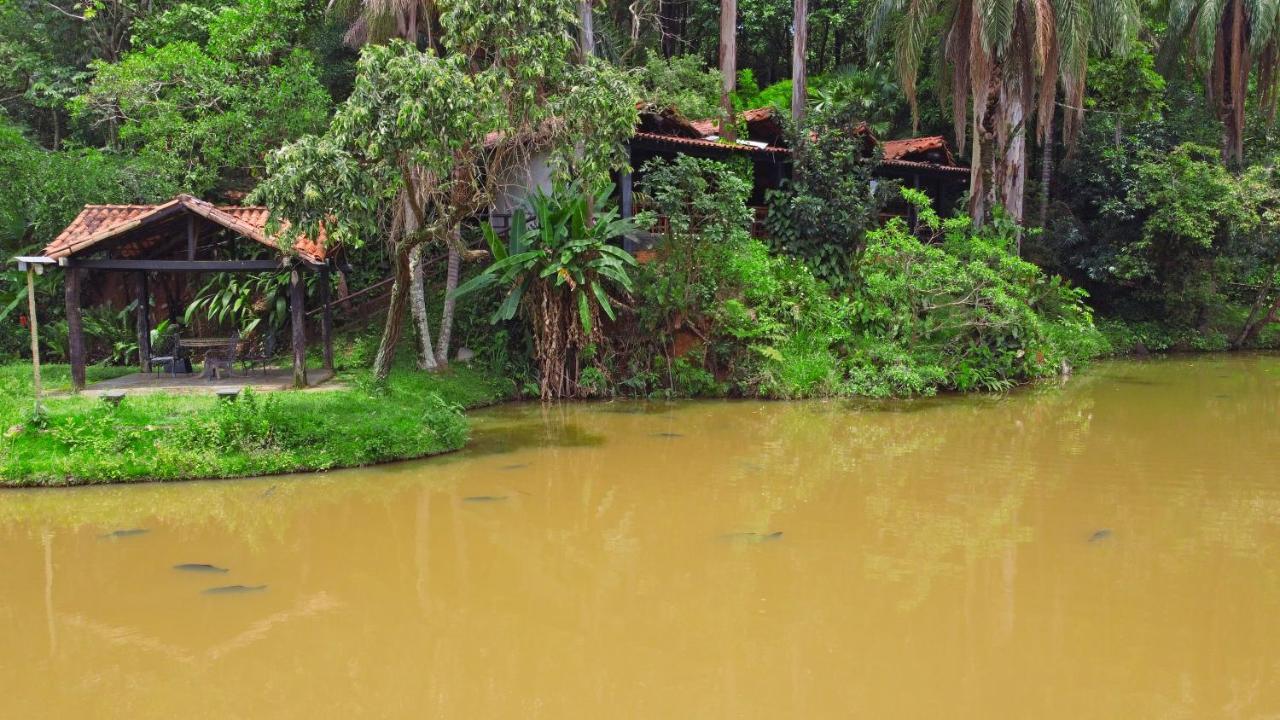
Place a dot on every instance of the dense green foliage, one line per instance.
(557, 269)
(823, 210)
(719, 314)
(168, 437)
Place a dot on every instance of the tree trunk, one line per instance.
(446, 316)
(1229, 79)
(297, 326)
(344, 290)
(1012, 163)
(1046, 168)
(586, 31)
(728, 67)
(418, 303)
(982, 180)
(799, 46)
(395, 318)
(1252, 325)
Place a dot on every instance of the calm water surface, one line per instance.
(1105, 549)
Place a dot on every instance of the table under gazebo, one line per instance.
(183, 236)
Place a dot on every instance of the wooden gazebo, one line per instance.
(184, 235)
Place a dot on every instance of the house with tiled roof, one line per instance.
(924, 163)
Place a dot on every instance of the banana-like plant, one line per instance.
(558, 267)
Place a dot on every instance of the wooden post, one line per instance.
(144, 323)
(191, 237)
(627, 203)
(75, 328)
(297, 297)
(326, 319)
(35, 335)
(626, 199)
(799, 46)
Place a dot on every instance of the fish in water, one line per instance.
(269, 492)
(483, 498)
(199, 567)
(234, 589)
(668, 435)
(1102, 534)
(754, 536)
(517, 466)
(130, 532)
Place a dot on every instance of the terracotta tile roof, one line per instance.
(706, 127)
(762, 116)
(900, 149)
(710, 144)
(97, 223)
(916, 164)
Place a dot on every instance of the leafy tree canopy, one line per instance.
(206, 113)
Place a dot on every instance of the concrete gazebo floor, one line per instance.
(268, 380)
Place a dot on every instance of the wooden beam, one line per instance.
(626, 198)
(144, 322)
(627, 203)
(177, 265)
(297, 321)
(326, 320)
(75, 329)
(191, 237)
(35, 335)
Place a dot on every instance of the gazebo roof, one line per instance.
(99, 223)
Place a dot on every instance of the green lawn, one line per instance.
(159, 437)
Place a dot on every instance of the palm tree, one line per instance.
(1238, 37)
(1006, 59)
(728, 67)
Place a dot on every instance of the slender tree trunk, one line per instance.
(395, 317)
(344, 290)
(418, 305)
(1012, 164)
(1253, 325)
(728, 67)
(1228, 83)
(446, 317)
(1046, 169)
(799, 46)
(983, 184)
(586, 31)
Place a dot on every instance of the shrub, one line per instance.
(957, 310)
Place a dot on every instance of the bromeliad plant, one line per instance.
(557, 269)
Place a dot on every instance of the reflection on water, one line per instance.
(1101, 549)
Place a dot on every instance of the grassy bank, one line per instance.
(159, 437)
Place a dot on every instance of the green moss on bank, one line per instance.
(177, 437)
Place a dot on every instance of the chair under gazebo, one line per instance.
(182, 236)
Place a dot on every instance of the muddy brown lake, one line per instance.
(1108, 547)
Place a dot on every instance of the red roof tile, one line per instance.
(97, 223)
(899, 149)
(711, 144)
